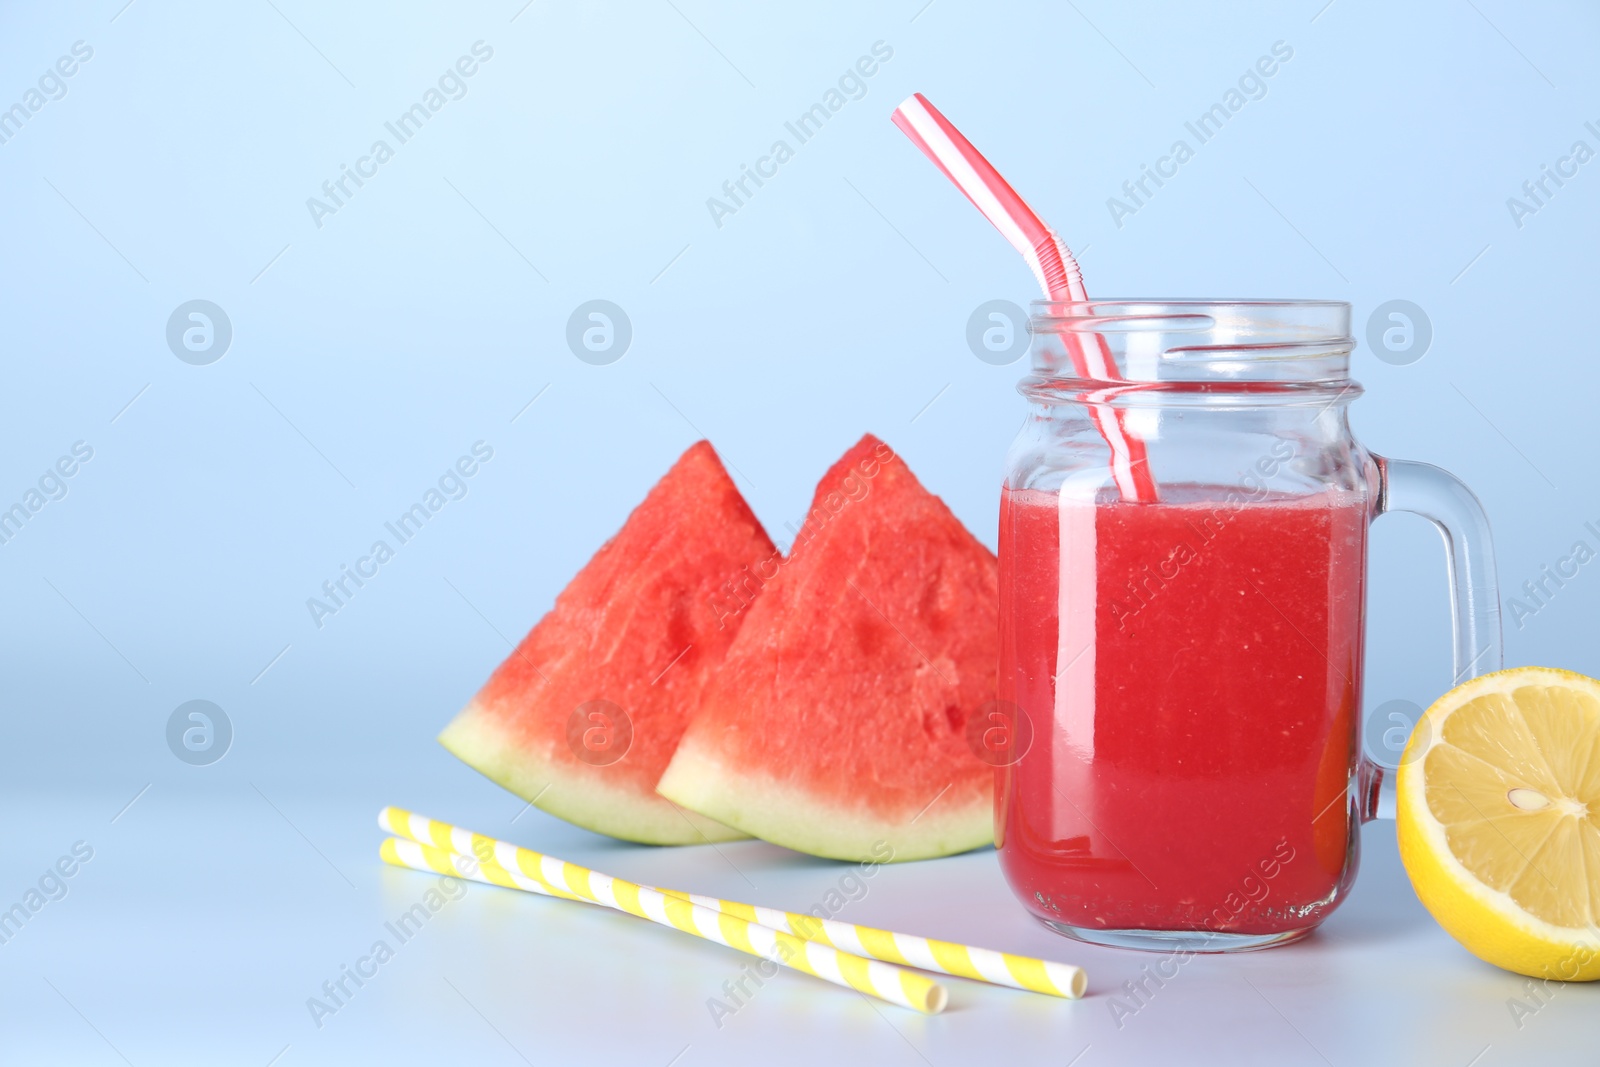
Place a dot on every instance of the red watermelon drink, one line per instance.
(1200, 733)
(1186, 646)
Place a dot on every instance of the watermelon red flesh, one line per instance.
(836, 725)
(642, 626)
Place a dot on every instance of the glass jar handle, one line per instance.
(1442, 499)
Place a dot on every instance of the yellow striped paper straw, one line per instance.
(400, 852)
(929, 954)
(944, 957)
(887, 982)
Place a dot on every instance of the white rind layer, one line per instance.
(577, 794)
(783, 815)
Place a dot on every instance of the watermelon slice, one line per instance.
(583, 717)
(837, 724)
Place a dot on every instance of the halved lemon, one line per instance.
(1499, 819)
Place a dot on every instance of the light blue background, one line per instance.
(370, 353)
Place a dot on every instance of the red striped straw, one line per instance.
(1051, 262)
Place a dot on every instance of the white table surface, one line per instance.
(216, 905)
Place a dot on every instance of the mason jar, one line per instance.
(1183, 565)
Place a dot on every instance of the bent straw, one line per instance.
(1050, 260)
(929, 954)
(885, 981)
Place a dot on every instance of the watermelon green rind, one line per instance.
(783, 815)
(575, 793)
(837, 720)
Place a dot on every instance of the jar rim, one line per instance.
(1152, 341)
(1099, 305)
(1192, 300)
